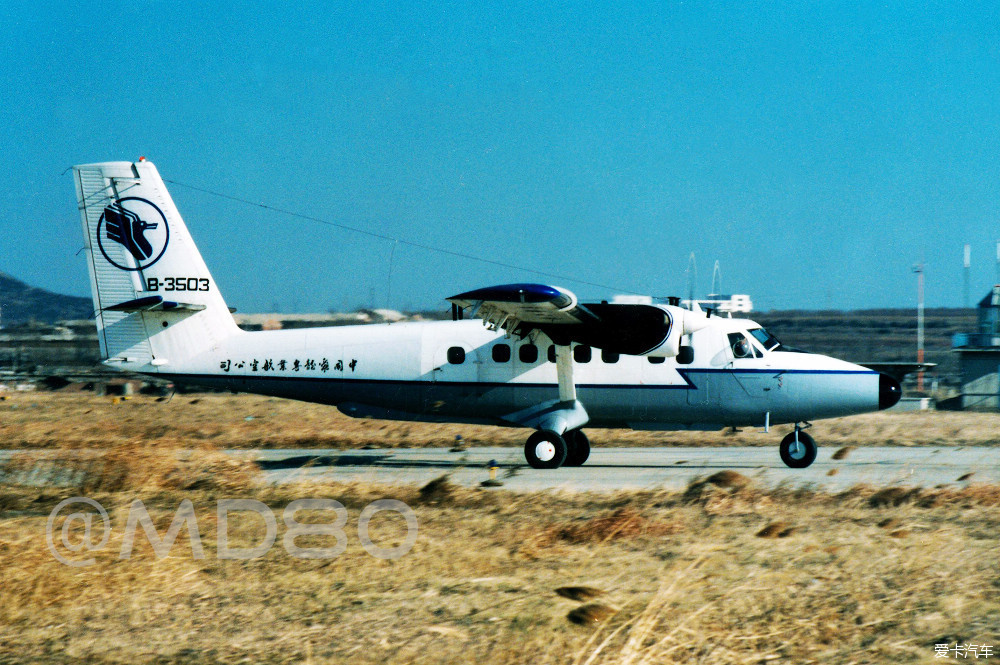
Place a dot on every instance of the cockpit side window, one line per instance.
(766, 339)
(741, 346)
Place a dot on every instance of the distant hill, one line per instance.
(22, 303)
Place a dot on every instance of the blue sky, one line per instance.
(817, 152)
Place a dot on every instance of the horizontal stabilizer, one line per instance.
(154, 304)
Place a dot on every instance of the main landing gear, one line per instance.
(798, 449)
(547, 450)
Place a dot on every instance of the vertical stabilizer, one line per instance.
(155, 302)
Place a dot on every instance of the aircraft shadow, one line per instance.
(389, 461)
(305, 461)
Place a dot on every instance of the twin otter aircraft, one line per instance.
(539, 359)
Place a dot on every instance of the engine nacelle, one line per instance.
(683, 322)
(637, 330)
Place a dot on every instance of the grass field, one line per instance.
(723, 572)
(80, 419)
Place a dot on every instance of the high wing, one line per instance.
(632, 329)
(508, 305)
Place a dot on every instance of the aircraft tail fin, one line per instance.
(155, 302)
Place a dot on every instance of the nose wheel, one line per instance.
(798, 449)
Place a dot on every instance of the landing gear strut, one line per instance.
(558, 440)
(798, 450)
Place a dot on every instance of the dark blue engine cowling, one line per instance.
(627, 329)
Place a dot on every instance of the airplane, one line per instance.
(536, 357)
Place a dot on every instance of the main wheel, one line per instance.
(578, 448)
(798, 450)
(545, 450)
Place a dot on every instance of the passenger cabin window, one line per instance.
(456, 355)
(528, 354)
(582, 354)
(610, 357)
(655, 360)
(501, 353)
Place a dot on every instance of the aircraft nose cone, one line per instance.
(889, 391)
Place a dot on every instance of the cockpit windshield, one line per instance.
(767, 340)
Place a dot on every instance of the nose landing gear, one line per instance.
(798, 449)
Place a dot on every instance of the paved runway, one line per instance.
(610, 469)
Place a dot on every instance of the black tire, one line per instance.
(545, 450)
(801, 456)
(578, 448)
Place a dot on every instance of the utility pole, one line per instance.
(998, 263)
(919, 269)
(965, 283)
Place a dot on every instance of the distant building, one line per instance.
(979, 356)
(632, 300)
(738, 303)
(722, 304)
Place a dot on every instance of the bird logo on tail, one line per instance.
(125, 227)
(139, 237)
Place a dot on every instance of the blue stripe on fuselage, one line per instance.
(688, 385)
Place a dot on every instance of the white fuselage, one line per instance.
(450, 371)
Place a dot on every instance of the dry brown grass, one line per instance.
(591, 613)
(622, 524)
(870, 574)
(80, 419)
(580, 593)
(842, 453)
(777, 530)
(706, 589)
(131, 466)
